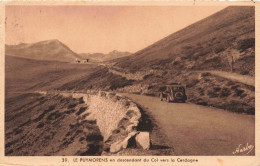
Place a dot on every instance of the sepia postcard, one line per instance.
(129, 83)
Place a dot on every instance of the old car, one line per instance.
(173, 93)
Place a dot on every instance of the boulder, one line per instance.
(142, 140)
(119, 145)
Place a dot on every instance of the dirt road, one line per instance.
(245, 79)
(200, 130)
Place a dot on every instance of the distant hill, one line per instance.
(53, 50)
(205, 45)
(100, 57)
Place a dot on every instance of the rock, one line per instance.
(200, 76)
(119, 145)
(102, 94)
(143, 140)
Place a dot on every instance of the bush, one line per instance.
(200, 101)
(216, 89)
(205, 74)
(242, 45)
(230, 83)
(234, 105)
(192, 83)
(219, 49)
(201, 91)
(239, 92)
(245, 72)
(225, 92)
(187, 47)
(212, 94)
(147, 76)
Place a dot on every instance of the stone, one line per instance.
(119, 145)
(143, 140)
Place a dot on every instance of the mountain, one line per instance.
(204, 45)
(100, 57)
(199, 57)
(52, 50)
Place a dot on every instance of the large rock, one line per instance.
(119, 145)
(143, 140)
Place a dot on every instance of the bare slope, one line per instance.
(206, 44)
(27, 74)
(45, 50)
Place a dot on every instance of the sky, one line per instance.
(91, 29)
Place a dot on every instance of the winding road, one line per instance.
(200, 130)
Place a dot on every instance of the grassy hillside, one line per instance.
(100, 79)
(45, 50)
(31, 75)
(186, 55)
(205, 45)
(27, 74)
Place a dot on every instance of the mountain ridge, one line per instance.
(43, 50)
(57, 51)
(228, 30)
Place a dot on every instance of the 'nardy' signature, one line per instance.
(241, 149)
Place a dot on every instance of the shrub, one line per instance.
(234, 87)
(147, 76)
(225, 92)
(219, 49)
(242, 45)
(239, 92)
(245, 72)
(192, 83)
(230, 83)
(201, 91)
(216, 89)
(233, 105)
(212, 94)
(205, 74)
(187, 47)
(200, 101)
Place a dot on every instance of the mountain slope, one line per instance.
(100, 57)
(206, 44)
(196, 57)
(44, 50)
(30, 75)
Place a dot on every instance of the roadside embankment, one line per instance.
(49, 124)
(80, 123)
(116, 116)
(229, 91)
